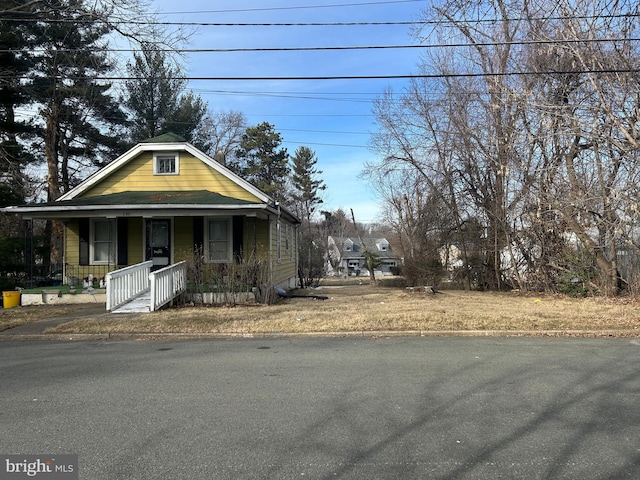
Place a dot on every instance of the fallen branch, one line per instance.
(283, 294)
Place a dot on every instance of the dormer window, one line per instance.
(165, 164)
(348, 246)
(382, 245)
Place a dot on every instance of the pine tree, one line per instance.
(306, 198)
(261, 161)
(16, 61)
(79, 113)
(152, 92)
(307, 186)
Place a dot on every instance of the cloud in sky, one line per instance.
(332, 117)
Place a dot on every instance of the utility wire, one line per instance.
(295, 7)
(359, 77)
(352, 47)
(438, 22)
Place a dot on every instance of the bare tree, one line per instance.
(224, 130)
(529, 132)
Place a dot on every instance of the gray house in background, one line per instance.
(346, 256)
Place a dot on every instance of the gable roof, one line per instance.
(165, 145)
(168, 137)
(371, 244)
(189, 202)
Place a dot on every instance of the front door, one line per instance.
(159, 242)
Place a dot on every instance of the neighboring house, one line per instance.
(162, 201)
(346, 256)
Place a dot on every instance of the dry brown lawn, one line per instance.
(13, 317)
(362, 308)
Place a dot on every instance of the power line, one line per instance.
(325, 144)
(438, 22)
(351, 47)
(324, 131)
(299, 7)
(357, 77)
(217, 24)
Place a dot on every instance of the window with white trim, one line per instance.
(218, 240)
(292, 245)
(166, 163)
(102, 245)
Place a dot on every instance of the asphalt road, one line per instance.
(352, 408)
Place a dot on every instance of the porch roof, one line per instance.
(188, 202)
(190, 197)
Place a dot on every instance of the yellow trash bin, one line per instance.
(11, 299)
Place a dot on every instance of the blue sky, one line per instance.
(332, 117)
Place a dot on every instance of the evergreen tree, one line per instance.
(152, 93)
(80, 115)
(307, 186)
(306, 198)
(261, 161)
(188, 120)
(16, 61)
(155, 100)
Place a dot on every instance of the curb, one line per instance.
(362, 333)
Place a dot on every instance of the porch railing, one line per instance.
(167, 283)
(127, 283)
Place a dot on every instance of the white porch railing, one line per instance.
(167, 283)
(127, 283)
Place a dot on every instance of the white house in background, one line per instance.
(346, 256)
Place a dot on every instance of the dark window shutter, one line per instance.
(198, 234)
(123, 240)
(84, 227)
(238, 234)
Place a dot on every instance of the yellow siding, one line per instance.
(137, 175)
(284, 269)
(257, 241)
(183, 238)
(262, 240)
(72, 243)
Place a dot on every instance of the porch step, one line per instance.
(140, 304)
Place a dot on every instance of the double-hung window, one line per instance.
(166, 163)
(218, 240)
(103, 241)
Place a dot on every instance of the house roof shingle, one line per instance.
(193, 197)
(168, 137)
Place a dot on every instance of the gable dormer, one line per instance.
(383, 245)
(348, 245)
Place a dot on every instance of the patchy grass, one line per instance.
(14, 317)
(353, 307)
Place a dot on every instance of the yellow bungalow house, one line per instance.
(164, 201)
